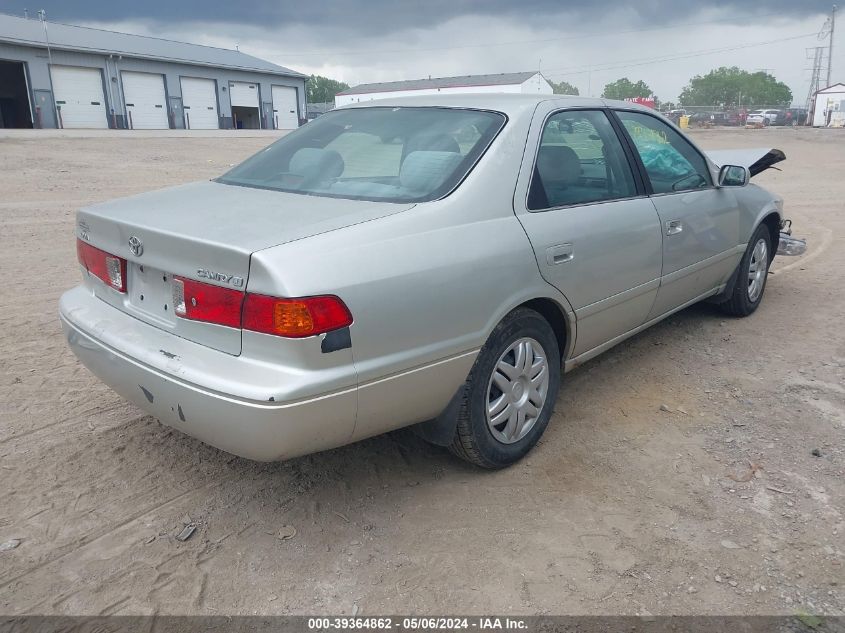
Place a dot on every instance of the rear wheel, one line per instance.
(510, 393)
(751, 276)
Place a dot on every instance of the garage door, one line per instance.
(146, 102)
(199, 100)
(285, 115)
(79, 96)
(243, 94)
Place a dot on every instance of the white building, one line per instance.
(829, 107)
(527, 82)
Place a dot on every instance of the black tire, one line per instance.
(741, 302)
(474, 440)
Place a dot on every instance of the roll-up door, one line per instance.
(243, 94)
(285, 116)
(199, 102)
(146, 101)
(79, 97)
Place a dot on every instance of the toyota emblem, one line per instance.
(136, 246)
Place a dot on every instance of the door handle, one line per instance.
(559, 254)
(673, 227)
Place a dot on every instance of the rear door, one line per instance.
(285, 108)
(199, 103)
(595, 234)
(146, 101)
(79, 97)
(700, 222)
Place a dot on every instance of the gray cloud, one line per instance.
(585, 43)
(369, 17)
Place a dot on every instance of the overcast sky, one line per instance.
(663, 42)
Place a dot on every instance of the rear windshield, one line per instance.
(374, 153)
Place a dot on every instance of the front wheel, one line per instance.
(510, 393)
(751, 276)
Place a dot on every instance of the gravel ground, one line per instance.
(677, 475)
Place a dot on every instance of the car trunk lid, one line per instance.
(205, 231)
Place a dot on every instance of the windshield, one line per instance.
(375, 153)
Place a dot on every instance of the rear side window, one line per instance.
(374, 153)
(671, 162)
(580, 160)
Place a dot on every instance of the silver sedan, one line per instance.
(432, 261)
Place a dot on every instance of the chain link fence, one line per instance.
(721, 115)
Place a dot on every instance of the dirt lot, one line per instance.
(714, 506)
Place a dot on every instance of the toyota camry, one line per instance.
(430, 261)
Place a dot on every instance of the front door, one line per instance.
(700, 222)
(595, 234)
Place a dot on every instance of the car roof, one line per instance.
(510, 104)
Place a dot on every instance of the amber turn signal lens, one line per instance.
(295, 318)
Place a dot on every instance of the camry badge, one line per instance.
(221, 277)
(136, 246)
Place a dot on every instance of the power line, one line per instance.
(566, 38)
(580, 70)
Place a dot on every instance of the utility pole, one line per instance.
(42, 15)
(815, 78)
(830, 44)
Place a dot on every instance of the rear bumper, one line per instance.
(129, 356)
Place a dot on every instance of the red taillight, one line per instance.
(108, 268)
(295, 318)
(203, 302)
(291, 318)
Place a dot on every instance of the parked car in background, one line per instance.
(704, 119)
(675, 115)
(791, 116)
(435, 261)
(763, 117)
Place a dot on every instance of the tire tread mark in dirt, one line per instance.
(70, 422)
(109, 610)
(89, 539)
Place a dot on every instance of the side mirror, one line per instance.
(733, 176)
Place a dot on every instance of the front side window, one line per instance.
(580, 160)
(375, 153)
(671, 162)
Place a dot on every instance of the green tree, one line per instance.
(322, 89)
(625, 89)
(563, 88)
(734, 87)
